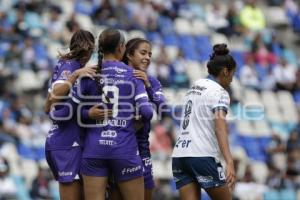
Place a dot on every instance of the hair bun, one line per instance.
(220, 49)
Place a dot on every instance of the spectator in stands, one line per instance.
(160, 143)
(105, 14)
(40, 188)
(8, 189)
(180, 78)
(234, 27)
(252, 17)
(276, 153)
(123, 15)
(284, 75)
(261, 52)
(216, 19)
(12, 60)
(248, 74)
(55, 24)
(163, 68)
(144, 16)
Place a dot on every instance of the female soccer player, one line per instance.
(63, 143)
(138, 55)
(203, 136)
(111, 146)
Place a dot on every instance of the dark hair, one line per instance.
(81, 46)
(108, 42)
(131, 46)
(220, 59)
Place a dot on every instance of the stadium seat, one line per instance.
(269, 99)
(24, 84)
(272, 195)
(199, 27)
(172, 52)
(260, 171)
(194, 71)
(237, 89)
(183, 26)
(245, 128)
(30, 170)
(136, 33)
(288, 194)
(288, 107)
(170, 95)
(261, 128)
(54, 48)
(275, 16)
(162, 169)
(217, 38)
(84, 21)
(273, 115)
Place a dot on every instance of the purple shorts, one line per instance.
(64, 164)
(123, 169)
(148, 173)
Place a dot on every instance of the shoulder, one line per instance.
(68, 65)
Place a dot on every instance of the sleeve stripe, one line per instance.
(159, 92)
(141, 96)
(220, 108)
(76, 100)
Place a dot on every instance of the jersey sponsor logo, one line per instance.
(187, 113)
(131, 170)
(204, 179)
(113, 123)
(107, 142)
(147, 162)
(221, 173)
(182, 143)
(65, 173)
(177, 171)
(65, 74)
(54, 127)
(109, 134)
(75, 144)
(196, 90)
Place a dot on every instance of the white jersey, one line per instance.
(197, 136)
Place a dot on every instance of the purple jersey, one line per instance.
(63, 134)
(156, 96)
(123, 93)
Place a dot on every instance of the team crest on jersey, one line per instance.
(65, 74)
(187, 113)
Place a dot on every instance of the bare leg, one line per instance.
(219, 193)
(94, 187)
(190, 191)
(132, 189)
(71, 191)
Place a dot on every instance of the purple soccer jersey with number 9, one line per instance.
(114, 138)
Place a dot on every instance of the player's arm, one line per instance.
(222, 137)
(220, 109)
(154, 91)
(62, 86)
(144, 107)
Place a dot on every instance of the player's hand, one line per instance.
(138, 124)
(88, 70)
(97, 113)
(143, 76)
(230, 176)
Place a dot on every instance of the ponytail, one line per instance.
(99, 70)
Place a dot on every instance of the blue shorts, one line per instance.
(64, 164)
(148, 173)
(206, 171)
(122, 169)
